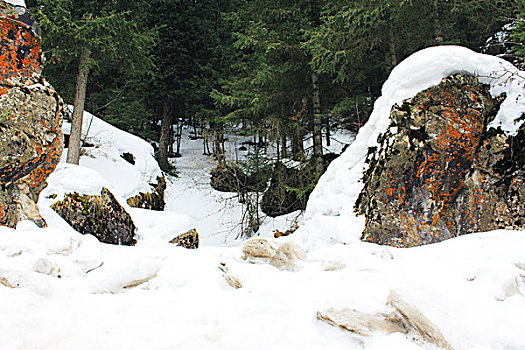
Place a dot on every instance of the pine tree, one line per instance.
(88, 35)
(191, 57)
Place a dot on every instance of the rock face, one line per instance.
(30, 119)
(102, 216)
(439, 172)
(152, 200)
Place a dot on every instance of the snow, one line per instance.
(63, 290)
(329, 215)
(125, 178)
(16, 2)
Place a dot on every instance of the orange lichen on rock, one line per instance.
(31, 115)
(439, 173)
(20, 52)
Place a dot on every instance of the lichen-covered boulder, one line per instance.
(20, 52)
(189, 240)
(31, 114)
(102, 216)
(439, 172)
(153, 200)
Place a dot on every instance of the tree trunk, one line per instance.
(73, 152)
(297, 144)
(218, 143)
(297, 136)
(438, 34)
(317, 135)
(327, 127)
(179, 137)
(392, 46)
(284, 153)
(165, 131)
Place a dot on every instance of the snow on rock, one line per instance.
(62, 290)
(329, 215)
(16, 2)
(101, 166)
(109, 143)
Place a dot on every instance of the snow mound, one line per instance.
(329, 215)
(109, 144)
(101, 165)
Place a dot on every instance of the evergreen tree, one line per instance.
(191, 57)
(518, 34)
(90, 35)
(274, 87)
(359, 42)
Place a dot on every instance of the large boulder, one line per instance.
(439, 172)
(30, 119)
(102, 216)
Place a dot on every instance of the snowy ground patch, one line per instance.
(63, 290)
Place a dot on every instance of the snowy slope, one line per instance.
(103, 166)
(63, 290)
(110, 143)
(329, 214)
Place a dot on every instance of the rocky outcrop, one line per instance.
(189, 240)
(439, 172)
(151, 200)
(102, 216)
(30, 119)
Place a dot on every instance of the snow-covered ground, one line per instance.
(68, 291)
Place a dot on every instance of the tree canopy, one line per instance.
(250, 63)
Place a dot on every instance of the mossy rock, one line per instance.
(151, 200)
(101, 216)
(233, 179)
(189, 240)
